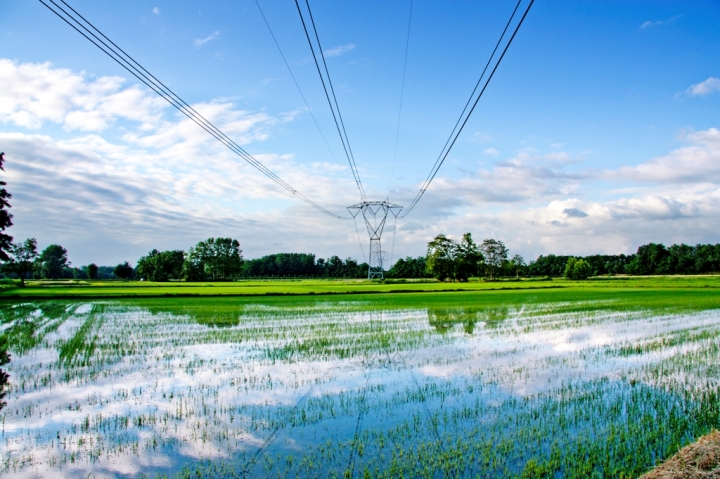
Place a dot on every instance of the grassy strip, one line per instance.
(109, 290)
(81, 346)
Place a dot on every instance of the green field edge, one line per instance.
(83, 295)
(298, 288)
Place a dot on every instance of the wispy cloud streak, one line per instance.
(338, 51)
(202, 41)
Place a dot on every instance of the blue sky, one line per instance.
(598, 133)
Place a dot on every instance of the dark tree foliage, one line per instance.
(161, 265)
(550, 265)
(79, 273)
(440, 259)
(577, 269)
(677, 259)
(22, 258)
(53, 262)
(600, 264)
(496, 255)
(4, 377)
(451, 260)
(334, 267)
(281, 264)
(92, 271)
(303, 265)
(106, 272)
(468, 258)
(650, 259)
(5, 217)
(123, 270)
(608, 264)
(215, 259)
(409, 268)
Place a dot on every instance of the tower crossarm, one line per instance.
(375, 214)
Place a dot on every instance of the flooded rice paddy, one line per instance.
(230, 388)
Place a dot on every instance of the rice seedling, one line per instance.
(590, 383)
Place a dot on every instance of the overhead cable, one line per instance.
(334, 107)
(294, 80)
(465, 115)
(402, 91)
(107, 46)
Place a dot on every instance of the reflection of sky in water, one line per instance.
(161, 390)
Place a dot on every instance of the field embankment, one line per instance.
(123, 289)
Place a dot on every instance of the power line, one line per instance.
(462, 122)
(139, 72)
(295, 81)
(334, 108)
(402, 91)
(359, 241)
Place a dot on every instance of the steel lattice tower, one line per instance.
(375, 214)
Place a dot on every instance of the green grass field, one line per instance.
(117, 289)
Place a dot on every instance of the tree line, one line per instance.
(220, 259)
(448, 259)
(650, 259)
(215, 259)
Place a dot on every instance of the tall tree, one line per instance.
(5, 217)
(468, 258)
(440, 261)
(92, 271)
(495, 253)
(577, 268)
(123, 270)
(53, 261)
(518, 263)
(161, 265)
(651, 258)
(22, 256)
(218, 259)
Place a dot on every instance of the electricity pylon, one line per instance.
(375, 213)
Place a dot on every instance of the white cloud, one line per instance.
(577, 227)
(339, 50)
(656, 23)
(711, 85)
(156, 180)
(524, 178)
(699, 162)
(109, 200)
(491, 151)
(156, 10)
(533, 203)
(33, 94)
(202, 41)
